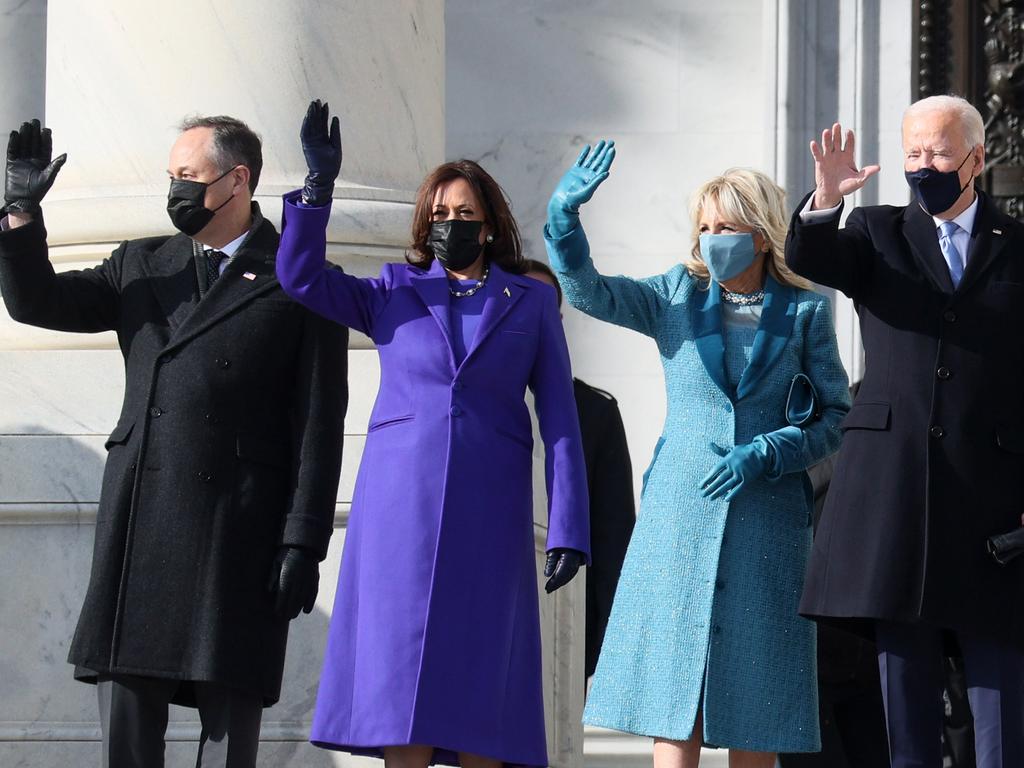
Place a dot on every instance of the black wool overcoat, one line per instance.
(932, 459)
(612, 511)
(228, 446)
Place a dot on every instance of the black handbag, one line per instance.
(1006, 546)
(802, 405)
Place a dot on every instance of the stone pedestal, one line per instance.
(119, 77)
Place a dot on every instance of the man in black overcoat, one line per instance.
(218, 494)
(932, 459)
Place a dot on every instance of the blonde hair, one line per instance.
(751, 199)
(971, 123)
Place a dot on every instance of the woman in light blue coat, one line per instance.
(704, 644)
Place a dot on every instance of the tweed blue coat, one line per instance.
(709, 590)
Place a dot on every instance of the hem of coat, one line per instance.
(441, 756)
(650, 732)
(86, 673)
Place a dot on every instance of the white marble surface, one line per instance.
(23, 61)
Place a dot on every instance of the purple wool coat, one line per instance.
(435, 635)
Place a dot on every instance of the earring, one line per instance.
(490, 238)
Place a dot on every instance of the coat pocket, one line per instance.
(1010, 437)
(261, 451)
(120, 434)
(389, 422)
(867, 416)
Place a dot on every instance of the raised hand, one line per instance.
(30, 171)
(835, 171)
(322, 148)
(577, 186)
(560, 567)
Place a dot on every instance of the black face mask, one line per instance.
(455, 243)
(936, 191)
(185, 204)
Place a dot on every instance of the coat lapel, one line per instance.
(503, 292)
(248, 275)
(707, 335)
(432, 288)
(773, 331)
(919, 231)
(987, 241)
(172, 276)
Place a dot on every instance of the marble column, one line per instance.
(22, 62)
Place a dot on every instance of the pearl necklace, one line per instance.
(470, 291)
(743, 299)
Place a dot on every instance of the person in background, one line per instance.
(433, 652)
(704, 644)
(610, 486)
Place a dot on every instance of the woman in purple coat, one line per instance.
(433, 652)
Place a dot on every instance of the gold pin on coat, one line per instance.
(508, 293)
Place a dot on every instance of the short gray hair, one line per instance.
(234, 143)
(970, 118)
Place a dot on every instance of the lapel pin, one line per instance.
(508, 293)
(248, 275)
(997, 231)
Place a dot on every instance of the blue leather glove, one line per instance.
(322, 149)
(577, 186)
(743, 464)
(560, 567)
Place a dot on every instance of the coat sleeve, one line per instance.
(305, 275)
(625, 301)
(798, 448)
(839, 258)
(565, 471)
(81, 300)
(320, 399)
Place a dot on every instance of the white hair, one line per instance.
(970, 118)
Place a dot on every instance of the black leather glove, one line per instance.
(323, 154)
(1007, 546)
(30, 173)
(562, 564)
(294, 581)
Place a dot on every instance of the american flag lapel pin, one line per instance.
(997, 231)
(249, 275)
(508, 293)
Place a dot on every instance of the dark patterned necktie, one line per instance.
(213, 260)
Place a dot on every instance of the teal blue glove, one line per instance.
(743, 464)
(577, 186)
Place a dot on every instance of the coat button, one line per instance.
(210, 418)
(719, 585)
(717, 630)
(156, 412)
(166, 358)
(457, 386)
(943, 372)
(223, 362)
(132, 467)
(205, 477)
(949, 316)
(456, 411)
(936, 431)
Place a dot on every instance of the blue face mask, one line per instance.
(727, 255)
(937, 191)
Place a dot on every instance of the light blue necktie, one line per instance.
(949, 251)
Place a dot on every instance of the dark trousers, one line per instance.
(910, 663)
(133, 716)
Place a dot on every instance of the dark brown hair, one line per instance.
(506, 250)
(532, 265)
(234, 143)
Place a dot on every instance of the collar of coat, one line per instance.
(171, 270)
(503, 291)
(990, 234)
(773, 331)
